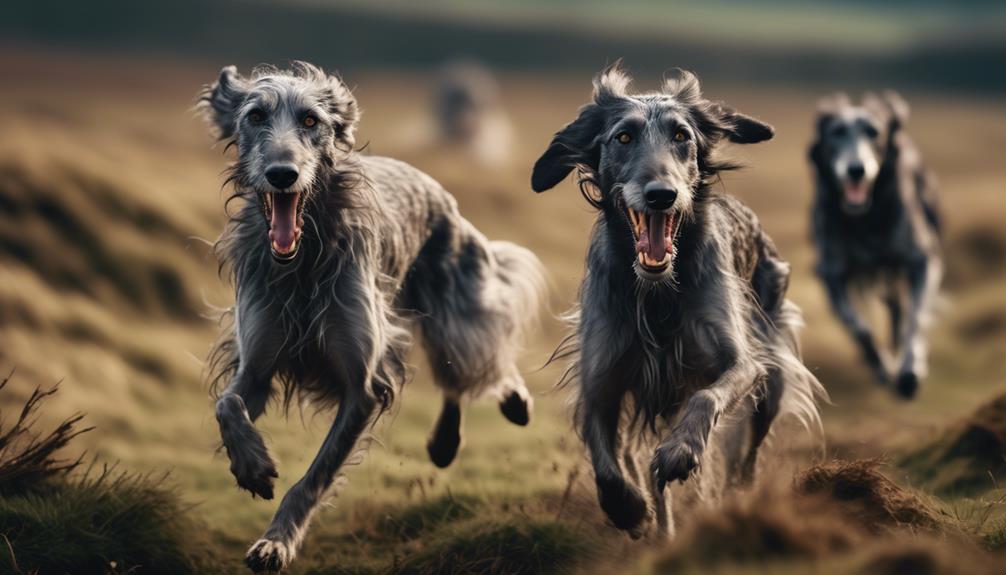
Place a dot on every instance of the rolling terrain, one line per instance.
(110, 194)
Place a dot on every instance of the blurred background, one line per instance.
(110, 193)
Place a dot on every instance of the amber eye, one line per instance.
(624, 137)
(680, 136)
(310, 121)
(256, 116)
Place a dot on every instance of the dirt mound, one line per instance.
(867, 497)
(968, 457)
(760, 527)
(978, 252)
(832, 511)
(924, 557)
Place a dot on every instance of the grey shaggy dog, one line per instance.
(333, 255)
(877, 228)
(685, 348)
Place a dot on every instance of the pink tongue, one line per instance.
(855, 193)
(656, 248)
(283, 229)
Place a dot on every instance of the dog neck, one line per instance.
(336, 222)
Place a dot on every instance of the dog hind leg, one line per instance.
(516, 403)
(924, 279)
(474, 299)
(445, 441)
(765, 411)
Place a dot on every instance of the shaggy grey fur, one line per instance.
(689, 359)
(328, 285)
(877, 228)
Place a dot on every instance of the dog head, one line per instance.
(853, 143)
(649, 156)
(289, 127)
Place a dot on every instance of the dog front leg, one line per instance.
(838, 294)
(619, 500)
(680, 453)
(923, 281)
(241, 404)
(244, 401)
(278, 546)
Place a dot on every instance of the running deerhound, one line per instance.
(684, 338)
(330, 253)
(877, 227)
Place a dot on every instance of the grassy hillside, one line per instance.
(110, 188)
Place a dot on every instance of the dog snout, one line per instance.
(856, 171)
(282, 176)
(659, 196)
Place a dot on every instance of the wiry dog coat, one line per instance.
(331, 254)
(685, 346)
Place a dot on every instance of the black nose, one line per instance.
(281, 176)
(856, 172)
(658, 196)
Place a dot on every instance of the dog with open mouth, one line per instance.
(684, 348)
(876, 225)
(334, 256)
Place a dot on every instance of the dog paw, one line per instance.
(252, 466)
(623, 505)
(257, 479)
(674, 461)
(443, 448)
(445, 442)
(907, 384)
(269, 555)
(516, 409)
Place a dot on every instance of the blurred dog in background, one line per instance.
(685, 347)
(469, 113)
(331, 254)
(876, 226)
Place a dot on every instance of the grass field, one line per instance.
(110, 187)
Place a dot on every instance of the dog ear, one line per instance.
(899, 108)
(344, 110)
(890, 106)
(575, 145)
(828, 108)
(743, 129)
(220, 101)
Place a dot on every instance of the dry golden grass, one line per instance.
(109, 186)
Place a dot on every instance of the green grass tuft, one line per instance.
(105, 522)
(99, 522)
(511, 546)
(415, 520)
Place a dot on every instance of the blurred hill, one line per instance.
(109, 185)
(951, 46)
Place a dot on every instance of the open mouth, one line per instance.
(284, 212)
(654, 233)
(855, 194)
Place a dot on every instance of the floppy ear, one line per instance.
(889, 105)
(220, 101)
(743, 129)
(344, 109)
(898, 107)
(575, 145)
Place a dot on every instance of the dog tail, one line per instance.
(520, 287)
(802, 392)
